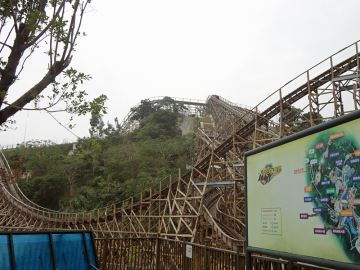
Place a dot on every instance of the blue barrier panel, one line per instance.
(46, 251)
(69, 251)
(4, 252)
(90, 248)
(32, 251)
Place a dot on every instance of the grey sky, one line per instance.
(241, 50)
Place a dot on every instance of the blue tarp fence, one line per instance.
(47, 250)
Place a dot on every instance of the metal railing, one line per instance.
(165, 254)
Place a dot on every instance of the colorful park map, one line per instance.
(332, 169)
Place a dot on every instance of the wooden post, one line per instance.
(290, 265)
(131, 212)
(184, 256)
(149, 211)
(255, 127)
(170, 191)
(336, 111)
(281, 133)
(157, 253)
(237, 260)
(248, 262)
(105, 254)
(114, 216)
(122, 215)
(206, 258)
(159, 211)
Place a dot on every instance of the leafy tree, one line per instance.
(89, 156)
(104, 169)
(317, 118)
(96, 125)
(170, 105)
(147, 107)
(30, 27)
(296, 120)
(46, 190)
(160, 124)
(98, 128)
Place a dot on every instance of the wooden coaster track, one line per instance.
(206, 204)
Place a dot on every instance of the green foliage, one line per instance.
(147, 107)
(297, 120)
(40, 169)
(45, 190)
(159, 124)
(143, 110)
(96, 125)
(104, 169)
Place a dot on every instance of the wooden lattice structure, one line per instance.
(206, 204)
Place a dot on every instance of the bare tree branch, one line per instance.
(2, 24)
(6, 45)
(58, 36)
(28, 56)
(47, 27)
(32, 93)
(6, 39)
(36, 109)
(70, 31)
(13, 16)
(73, 42)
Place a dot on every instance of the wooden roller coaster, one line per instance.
(206, 204)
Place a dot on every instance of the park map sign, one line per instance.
(303, 195)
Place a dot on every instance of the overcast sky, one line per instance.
(240, 50)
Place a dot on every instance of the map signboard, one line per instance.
(303, 195)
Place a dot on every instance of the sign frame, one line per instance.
(285, 255)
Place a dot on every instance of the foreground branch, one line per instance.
(32, 93)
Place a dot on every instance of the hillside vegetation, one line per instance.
(107, 166)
